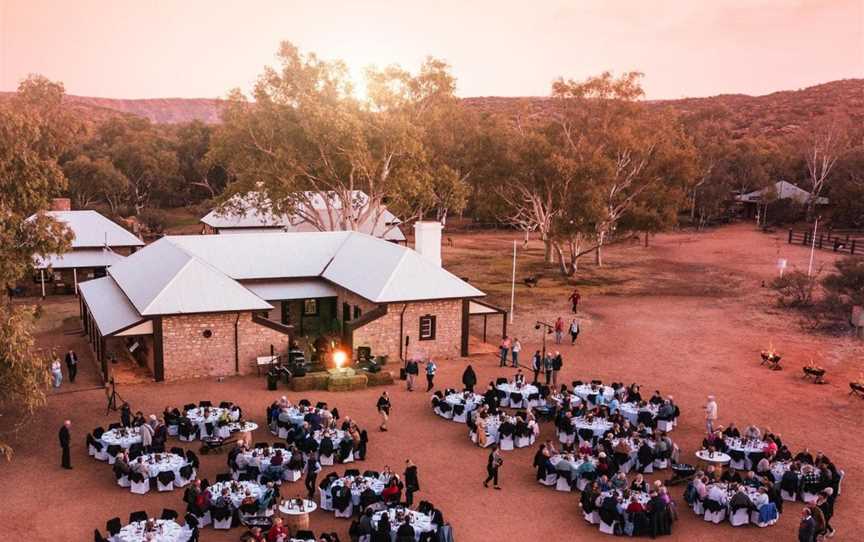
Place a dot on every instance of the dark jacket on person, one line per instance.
(64, 437)
(412, 482)
(807, 530)
(469, 378)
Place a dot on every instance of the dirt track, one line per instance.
(687, 316)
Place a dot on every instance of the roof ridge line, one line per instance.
(168, 284)
(393, 274)
(335, 253)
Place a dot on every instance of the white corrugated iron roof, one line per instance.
(781, 190)
(198, 273)
(91, 229)
(274, 290)
(251, 211)
(109, 306)
(163, 278)
(83, 257)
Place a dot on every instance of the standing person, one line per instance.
(469, 378)
(125, 415)
(536, 365)
(807, 527)
(548, 368)
(146, 432)
(72, 364)
(574, 300)
(574, 331)
(514, 351)
(559, 330)
(56, 372)
(557, 363)
(313, 467)
(411, 370)
(384, 409)
(710, 414)
(431, 369)
(492, 467)
(65, 439)
(412, 482)
(503, 350)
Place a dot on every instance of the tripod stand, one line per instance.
(112, 396)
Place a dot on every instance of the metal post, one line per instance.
(42, 279)
(75, 279)
(513, 283)
(813, 247)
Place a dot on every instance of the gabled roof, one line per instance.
(84, 257)
(92, 230)
(163, 278)
(251, 210)
(108, 305)
(200, 273)
(780, 190)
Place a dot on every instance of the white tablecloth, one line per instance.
(718, 458)
(598, 425)
(585, 390)
(255, 489)
(166, 531)
(167, 462)
(745, 445)
(288, 508)
(631, 411)
(358, 485)
(336, 435)
(471, 401)
(421, 522)
(297, 415)
(121, 437)
(525, 390)
(260, 457)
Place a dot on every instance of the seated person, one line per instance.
(740, 500)
(731, 475)
(656, 399)
(753, 432)
(731, 431)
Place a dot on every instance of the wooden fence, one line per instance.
(845, 241)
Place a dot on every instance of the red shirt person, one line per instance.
(574, 300)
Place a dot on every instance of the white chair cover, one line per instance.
(140, 488)
(740, 517)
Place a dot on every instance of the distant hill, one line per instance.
(771, 115)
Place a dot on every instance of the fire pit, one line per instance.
(681, 472)
(772, 359)
(815, 372)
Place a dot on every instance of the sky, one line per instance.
(204, 48)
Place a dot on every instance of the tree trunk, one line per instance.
(548, 255)
(566, 270)
(599, 253)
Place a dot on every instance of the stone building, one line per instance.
(209, 305)
(98, 243)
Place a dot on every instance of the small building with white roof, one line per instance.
(209, 305)
(97, 244)
(249, 213)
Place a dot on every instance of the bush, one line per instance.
(847, 282)
(795, 288)
(154, 220)
(785, 211)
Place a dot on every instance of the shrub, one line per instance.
(795, 288)
(845, 286)
(154, 220)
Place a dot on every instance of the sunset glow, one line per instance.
(202, 49)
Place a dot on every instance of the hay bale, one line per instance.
(382, 378)
(312, 381)
(347, 382)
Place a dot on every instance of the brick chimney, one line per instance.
(61, 204)
(427, 240)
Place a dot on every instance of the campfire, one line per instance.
(771, 357)
(811, 370)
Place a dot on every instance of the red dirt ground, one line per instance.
(687, 316)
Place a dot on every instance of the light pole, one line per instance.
(548, 329)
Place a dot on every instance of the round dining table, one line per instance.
(297, 514)
(163, 531)
(713, 458)
(124, 437)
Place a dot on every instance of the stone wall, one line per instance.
(187, 353)
(382, 335)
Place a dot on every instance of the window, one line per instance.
(427, 328)
(310, 307)
(357, 312)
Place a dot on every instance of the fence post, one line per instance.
(820, 240)
(852, 251)
(790, 236)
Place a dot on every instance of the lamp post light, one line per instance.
(548, 330)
